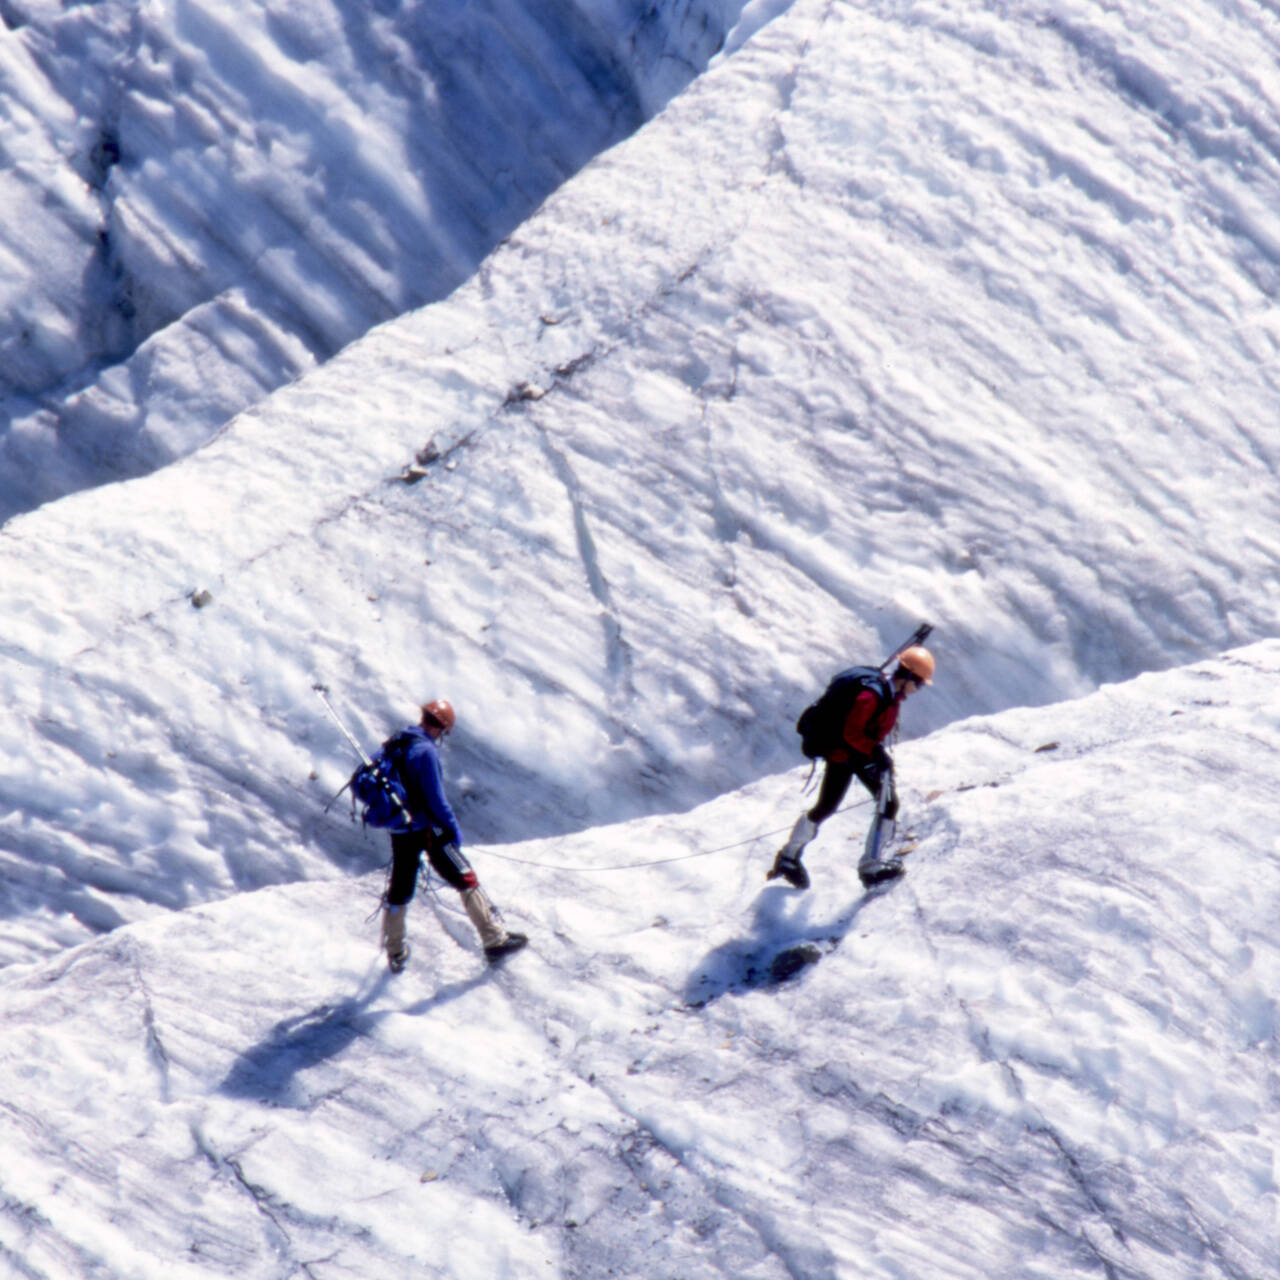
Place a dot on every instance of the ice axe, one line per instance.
(918, 636)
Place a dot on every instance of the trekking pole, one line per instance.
(322, 692)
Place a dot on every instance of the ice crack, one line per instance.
(617, 650)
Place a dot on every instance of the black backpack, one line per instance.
(821, 724)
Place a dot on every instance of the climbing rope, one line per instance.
(490, 852)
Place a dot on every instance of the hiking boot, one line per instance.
(791, 869)
(787, 863)
(494, 936)
(500, 950)
(882, 869)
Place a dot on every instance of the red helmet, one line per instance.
(439, 713)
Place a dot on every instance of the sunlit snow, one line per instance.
(898, 312)
(1048, 1051)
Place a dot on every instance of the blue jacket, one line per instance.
(424, 784)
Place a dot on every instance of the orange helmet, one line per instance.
(439, 713)
(919, 661)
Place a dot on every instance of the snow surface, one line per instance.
(1049, 1051)
(899, 311)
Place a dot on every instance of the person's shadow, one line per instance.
(268, 1071)
(782, 941)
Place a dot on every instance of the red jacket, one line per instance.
(863, 729)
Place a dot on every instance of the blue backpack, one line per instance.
(821, 724)
(378, 788)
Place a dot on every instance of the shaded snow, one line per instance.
(202, 201)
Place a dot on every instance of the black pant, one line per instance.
(447, 860)
(837, 775)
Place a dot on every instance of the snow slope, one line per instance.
(203, 200)
(890, 316)
(900, 311)
(1049, 1051)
